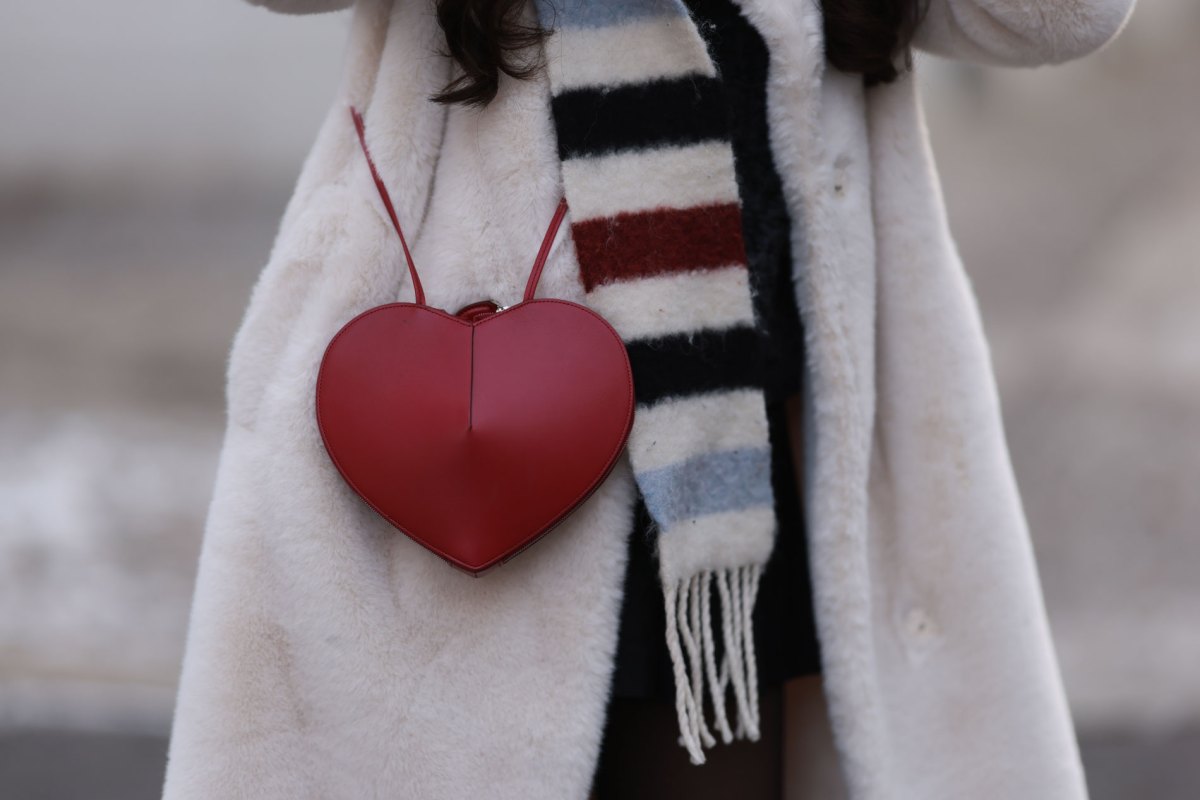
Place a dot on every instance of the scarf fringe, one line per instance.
(692, 647)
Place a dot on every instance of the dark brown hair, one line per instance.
(863, 36)
(482, 36)
(869, 36)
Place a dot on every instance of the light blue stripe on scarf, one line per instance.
(602, 13)
(709, 483)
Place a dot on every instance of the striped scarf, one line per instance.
(648, 170)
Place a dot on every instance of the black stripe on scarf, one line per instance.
(673, 111)
(692, 363)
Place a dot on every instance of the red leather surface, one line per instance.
(475, 437)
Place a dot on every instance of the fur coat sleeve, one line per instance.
(1020, 32)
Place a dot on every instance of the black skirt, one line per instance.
(784, 629)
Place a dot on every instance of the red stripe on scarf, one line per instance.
(630, 246)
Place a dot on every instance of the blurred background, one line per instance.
(147, 150)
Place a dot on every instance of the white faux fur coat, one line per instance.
(330, 657)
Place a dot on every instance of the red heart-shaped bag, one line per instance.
(477, 433)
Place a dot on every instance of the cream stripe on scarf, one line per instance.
(712, 427)
(629, 53)
(683, 176)
(663, 304)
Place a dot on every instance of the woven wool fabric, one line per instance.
(648, 170)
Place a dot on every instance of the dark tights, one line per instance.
(641, 756)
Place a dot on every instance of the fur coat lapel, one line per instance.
(907, 477)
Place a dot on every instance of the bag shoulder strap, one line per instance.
(539, 263)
